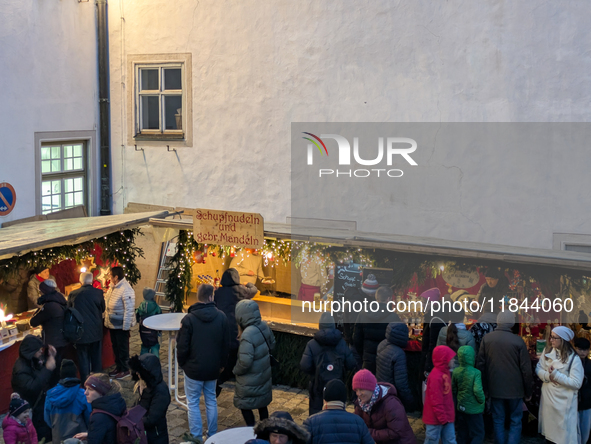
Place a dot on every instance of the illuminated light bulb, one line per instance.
(441, 267)
(83, 270)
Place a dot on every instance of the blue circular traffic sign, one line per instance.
(7, 198)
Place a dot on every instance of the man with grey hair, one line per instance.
(90, 302)
(507, 377)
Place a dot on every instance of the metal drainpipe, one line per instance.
(104, 118)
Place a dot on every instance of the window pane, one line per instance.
(45, 188)
(55, 165)
(45, 152)
(173, 112)
(149, 79)
(55, 152)
(68, 151)
(68, 185)
(56, 186)
(77, 150)
(78, 184)
(172, 79)
(150, 118)
(78, 163)
(55, 203)
(46, 166)
(69, 164)
(69, 200)
(46, 204)
(78, 198)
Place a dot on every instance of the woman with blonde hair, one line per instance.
(561, 372)
(105, 398)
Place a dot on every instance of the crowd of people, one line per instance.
(470, 374)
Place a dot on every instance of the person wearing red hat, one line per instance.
(381, 410)
(439, 410)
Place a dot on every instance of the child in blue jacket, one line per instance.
(66, 410)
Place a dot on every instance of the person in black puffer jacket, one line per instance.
(51, 317)
(102, 394)
(326, 340)
(31, 377)
(391, 363)
(370, 329)
(226, 297)
(90, 302)
(154, 396)
(202, 349)
(334, 425)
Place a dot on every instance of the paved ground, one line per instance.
(294, 401)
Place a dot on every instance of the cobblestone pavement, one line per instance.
(295, 401)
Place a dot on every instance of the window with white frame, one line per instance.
(160, 100)
(63, 176)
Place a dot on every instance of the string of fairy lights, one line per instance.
(117, 248)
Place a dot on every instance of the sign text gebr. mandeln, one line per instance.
(230, 228)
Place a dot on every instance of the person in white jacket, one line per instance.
(119, 318)
(561, 372)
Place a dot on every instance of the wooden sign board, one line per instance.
(231, 228)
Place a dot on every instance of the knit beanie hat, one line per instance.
(564, 332)
(68, 369)
(47, 286)
(364, 380)
(149, 294)
(335, 390)
(370, 285)
(17, 405)
(326, 321)
(506, 318)
(97, 385)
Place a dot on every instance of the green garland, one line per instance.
(179, 277)
(119, 246)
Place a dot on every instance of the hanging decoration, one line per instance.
(87, 264)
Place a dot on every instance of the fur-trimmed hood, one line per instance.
(147, 367)
(281, 422)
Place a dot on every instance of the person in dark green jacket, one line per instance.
(467, 390)
(150, 338)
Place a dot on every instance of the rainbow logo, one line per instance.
(314, 142)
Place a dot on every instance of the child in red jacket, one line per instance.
(439, 410)
(17, 426)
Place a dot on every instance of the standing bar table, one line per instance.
(170, 322)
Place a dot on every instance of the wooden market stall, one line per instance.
(280, 307)
(22, 246)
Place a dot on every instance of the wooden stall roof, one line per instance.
(31, 236)
(414, 244)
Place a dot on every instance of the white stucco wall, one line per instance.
(48, 73)
(258, 66)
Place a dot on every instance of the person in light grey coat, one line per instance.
(253, 366)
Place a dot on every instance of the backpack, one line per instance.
(73, 325)
(148, 336)
(329, 366)
(130, 426)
